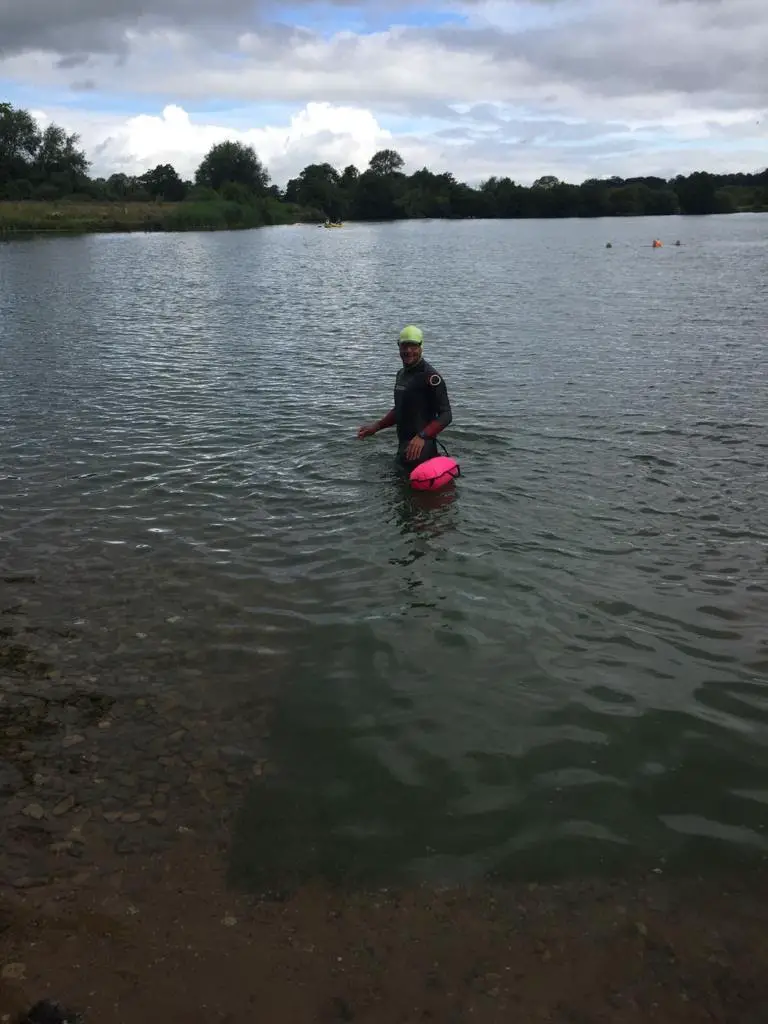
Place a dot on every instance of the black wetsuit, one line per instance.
(421, 405)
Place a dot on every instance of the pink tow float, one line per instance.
(434, 473)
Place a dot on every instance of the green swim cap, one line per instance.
(412, 335)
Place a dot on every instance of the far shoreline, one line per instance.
(23, 218)
(77, 217)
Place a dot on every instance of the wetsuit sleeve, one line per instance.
(441, 406)
(386, 421)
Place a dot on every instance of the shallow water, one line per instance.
(563, 663)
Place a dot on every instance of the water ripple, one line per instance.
(565, 654)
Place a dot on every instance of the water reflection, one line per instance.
(424, 513)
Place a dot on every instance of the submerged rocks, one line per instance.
(64, 806)
(83, 777)
(13, 972)
(11, 779)
(34, 811)
(47, 1012)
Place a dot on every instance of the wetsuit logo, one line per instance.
(434, 380)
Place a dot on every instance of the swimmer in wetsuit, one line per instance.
(422, 408)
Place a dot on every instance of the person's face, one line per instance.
(410, 353)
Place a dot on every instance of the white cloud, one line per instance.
(477, 145)
(320, 132)
(580, 87)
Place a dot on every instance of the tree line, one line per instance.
(48, 164)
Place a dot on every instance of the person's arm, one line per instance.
(441, 405)
(385, 421)
(373, 428)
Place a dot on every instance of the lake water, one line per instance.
(560, 665)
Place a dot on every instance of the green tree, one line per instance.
(319, 187)
(661, 202)
(504, 198)
(696, 193)
(349, 177)
(119, 186)
(59, 166)
(232, 162)
(626, 201)
(548, 181)
(553, 199)
(237, 192)
(49, 159)
(725, 201)
(379, 189)
(594, 196)
(19, 142)
(163, 182)
(57, 152)
(386, 161)
(348, 189)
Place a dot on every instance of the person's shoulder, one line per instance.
(432, 375)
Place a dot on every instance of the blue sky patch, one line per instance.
(327, 19)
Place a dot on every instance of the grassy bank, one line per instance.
(78, 217)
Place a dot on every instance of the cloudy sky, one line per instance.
(575, 88)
